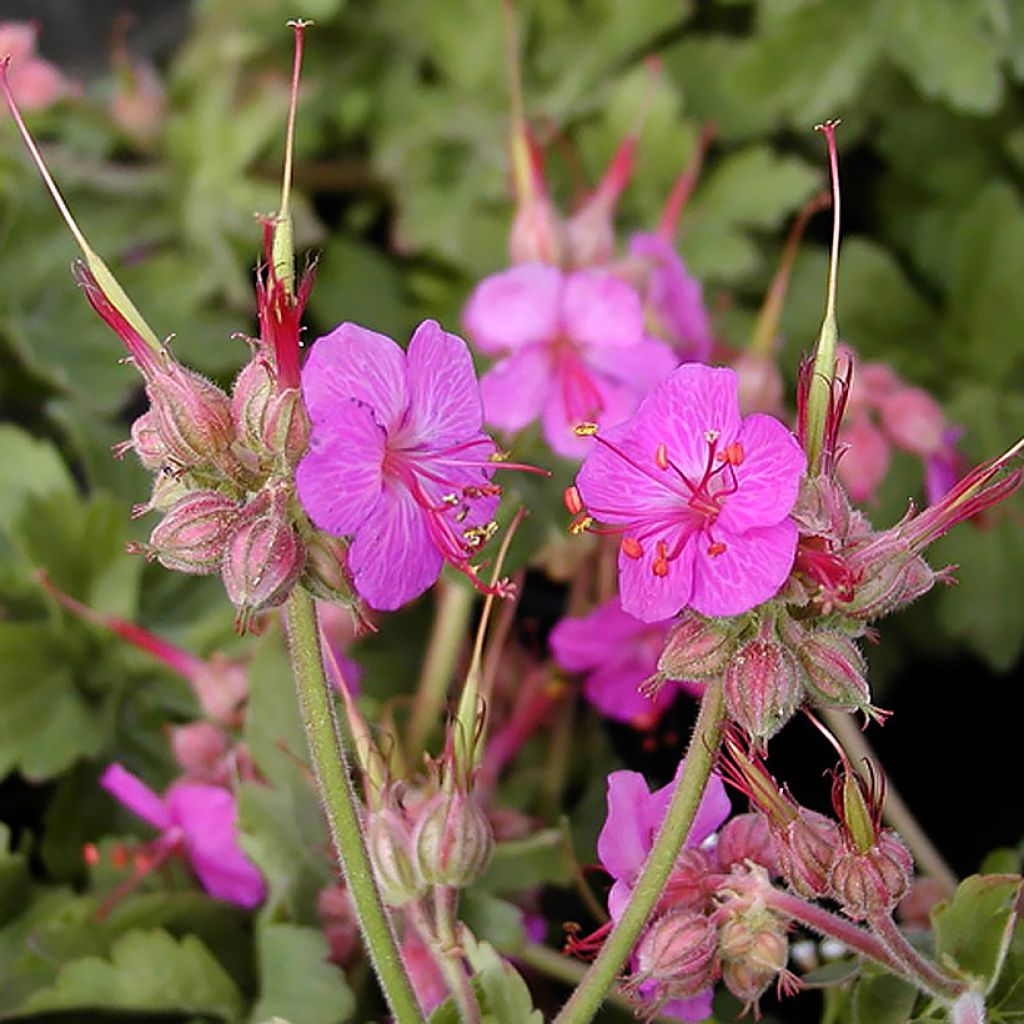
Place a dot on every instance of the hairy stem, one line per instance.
(451, 621)
(690, 786)
(330, 767)
(450, 955)
(925, 974)
(896, 812)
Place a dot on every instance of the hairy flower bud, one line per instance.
(389, 841)
(874, 881)
(147, 443)
(192, 416)
(264, 559)
(326, 574)
(807, 848)
(745, 837)
(286, 426)
(193, 536)
(697, 648)
(679, 953)
(754, 950)
(687, 886)
(762, 685)
(835, 671)
(252, 391)
(890, 575)
(452, 839)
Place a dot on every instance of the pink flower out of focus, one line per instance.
(574, 350)
(199, 821)
(396, 458)
(700, 496)
(634, 817)
(617, 652)
(36, 83)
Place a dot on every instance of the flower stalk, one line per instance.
(586, 1000)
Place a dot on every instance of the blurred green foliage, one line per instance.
(403, 188)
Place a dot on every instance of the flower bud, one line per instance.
(687, 886)
(889, 576)
(754, 950)
(199, 748)
(147, 443)
(389, 841)
(806, 849)
(745, 837)
(835, 671)
(252, 391)
(874, 881)
(762, 685)
(679, 952)
(286, 426)
(194, 534)
(326, 574)
(452, 840)
(697, 648)
(192, 416)
(264, 559)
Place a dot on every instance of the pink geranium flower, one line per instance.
(396, 458)
(36, 83)
(634, 817)
(574, 350)
(700, 496)
(674, 299)
(198, 822)
(617, 652)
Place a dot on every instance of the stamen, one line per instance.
(733, 454)
(585, 429)
(573, 500)
(716, 549)
(661, 456)
(632, 548)
(660, 565)
(581, 524)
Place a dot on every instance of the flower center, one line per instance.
(697, 502)
(581, 398)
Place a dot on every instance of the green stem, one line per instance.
(450, 960)
(330, 767)
(451, 621)
(700, 758)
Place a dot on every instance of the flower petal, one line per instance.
(354, 363)
(651, 597)
(393, 558)
(613, 689)
(641, 366)
(601, 310)
(696, 1007)
(617, 402)
(751, 570)
(768, 478)
(625, 837)
(131, 791)
(514, 389)
(587, 642)
(340, 478)
(444, 397)
(207, 815)
(514, 308)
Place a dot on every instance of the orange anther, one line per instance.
(716, 549)
(661, 456)
(732, 453)
(631, 547)
(573, 500)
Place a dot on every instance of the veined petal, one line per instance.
(340, 479)
(625, 837)
(768, 478)
(207, 816)
(130, 790)
(648, 595)
(641, 366)
(393, 558)
(354, 363)
(617, 402)
(514, 389)
(750, 570)
(601, 310)
(517, 307)
(444, 397)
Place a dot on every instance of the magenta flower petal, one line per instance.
(674, 297)
(130, 790)
(444, 399)
(352, 362)
(601, 311)
(626, 835)
(517, 307)
(696, 1007)
(393, 557)
(768, 477)
(587, 642)
(207, 816)
(641, 366)
(750, 570)
(349, 447)
(649, 595)
(614, 691)
(513, 389)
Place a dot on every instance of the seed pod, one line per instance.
(806, 849)
(874, 881)
(452, 840)
(193, 536)
(679, 952)
(745, 837)
(389, 841)
(192, 416)
(697, 648)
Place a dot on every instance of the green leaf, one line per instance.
(14, 878)
(946, 50)
(973, 930)
(506, 997)
(297, 982)
(883, 999)
(521, 864)
(498, 921)
(147, 971)
(29, 466)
